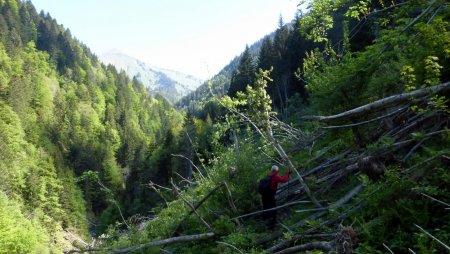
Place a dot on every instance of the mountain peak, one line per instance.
(169, 83)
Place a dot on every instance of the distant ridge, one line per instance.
(169, 83)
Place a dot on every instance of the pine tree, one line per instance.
(266, 56)
(278, 89)
(244, 73)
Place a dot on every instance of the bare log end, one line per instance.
(371, 167)
(346, 239)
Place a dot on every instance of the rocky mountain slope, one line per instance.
(171, 84)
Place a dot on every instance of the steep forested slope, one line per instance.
(75, 136)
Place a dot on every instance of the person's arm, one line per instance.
(281, 179)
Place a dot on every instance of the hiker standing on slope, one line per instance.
(268, 195)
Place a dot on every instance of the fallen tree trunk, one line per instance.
(347, 197)
(185, 238)
(291, 166)
(264, 120)
(384, 103)
(347, 170)
(179, 239)
(271, 209)
(397, 111)
(323, 246)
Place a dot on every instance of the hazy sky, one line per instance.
(197, 37)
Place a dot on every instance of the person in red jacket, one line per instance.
(268, 199)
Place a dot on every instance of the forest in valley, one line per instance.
(351, 96)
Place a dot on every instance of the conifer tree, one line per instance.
(266, 54)
(244, 73)
(279, 88)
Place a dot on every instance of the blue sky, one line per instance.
(197, 37)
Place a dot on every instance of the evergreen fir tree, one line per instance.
(266, 54)
(243, 75)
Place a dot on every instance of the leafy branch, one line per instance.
(254, 108)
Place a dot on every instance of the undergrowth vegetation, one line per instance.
(85, 151)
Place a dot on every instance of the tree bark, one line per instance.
(384, 103)
(185, 238)
(368, 121)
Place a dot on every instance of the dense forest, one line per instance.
(352, 97)
(79, 140)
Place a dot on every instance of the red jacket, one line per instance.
(277, 179)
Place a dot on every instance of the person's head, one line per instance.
(275, 168)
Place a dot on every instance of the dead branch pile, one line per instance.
(394, 132)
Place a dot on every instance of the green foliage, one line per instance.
(19, 234)
(361, 8)
(5, 70)
(256, 102)
(396, 202)
(316, 24)
(13, 152)
(432, 71)
(408, 78)
(347, 82)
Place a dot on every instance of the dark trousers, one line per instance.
(268, 201)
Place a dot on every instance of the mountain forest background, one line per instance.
(352, 96)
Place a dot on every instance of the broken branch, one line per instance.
(430, 235)
(385, 246)
(196, 206)
(434, 199)
(231, 246)
(192, 207)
